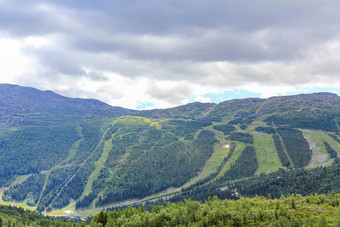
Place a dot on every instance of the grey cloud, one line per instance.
(221, 43)
(173, 95)
(59, 62)
(95, 76)
(31, 19)
(179, 30)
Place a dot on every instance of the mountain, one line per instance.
(60, 153)
(21, 106)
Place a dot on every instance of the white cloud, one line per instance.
(202, 99)
(13, 63)
(126, 53)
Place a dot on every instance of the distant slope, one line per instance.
(28, 106)
(190, 111)
(311, 111)
(58, 152)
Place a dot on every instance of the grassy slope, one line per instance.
(74, 147)
(108, 146)
(238, 151)
(211, 165)
(266, 153)
(98, 166)
(263, 143)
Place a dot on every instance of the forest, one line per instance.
(232, 149)
(321, 180)
(18, 217)
(297, 147)
(293, 210)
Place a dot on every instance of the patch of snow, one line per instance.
(68, 211)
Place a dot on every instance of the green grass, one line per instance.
(211, 165)
(334, 144)
(135, 119)
(19, 180)
(98, 166)
(220, 152)
(266, 153)
(62, 212)
(238, 151)
(286, 152)
(75, 146)
(73, 150)
(256, 123)
(22, 205)
(71, 155)
(318, 137)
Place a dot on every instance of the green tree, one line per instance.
(102, 218)
(322, 222)
(337, 219)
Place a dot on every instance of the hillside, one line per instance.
(295, 210)
(20, 106)
(60, 154)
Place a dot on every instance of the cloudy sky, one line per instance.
(162, 53)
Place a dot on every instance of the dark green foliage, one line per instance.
(55, 182)
(280, 151)
(30, 189)
(13, 216)
(296, 146)
(236, 121)
(97, 186)
(215, 174)
(307, 118)
(75, 187)
(226, 129)
(186, 129)
(305, 182)
(244, 166)
(147, 155)
(332, 153)
(159, 168)
(243, 126)
(241, 137)
(33, 149)
(86, 201)
(244, 114)
(267, 130)
(244, 122)
(91, 137)
(129, 135)
(334, 137)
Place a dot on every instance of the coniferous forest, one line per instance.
(83, 162)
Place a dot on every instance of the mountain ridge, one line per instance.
(59, 152)
(30, 106)
(31, 101)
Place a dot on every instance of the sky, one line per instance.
(164, 53)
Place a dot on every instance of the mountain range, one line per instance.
(60, 153)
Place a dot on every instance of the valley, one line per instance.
(76, 167)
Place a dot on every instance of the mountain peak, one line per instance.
(30, 106)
